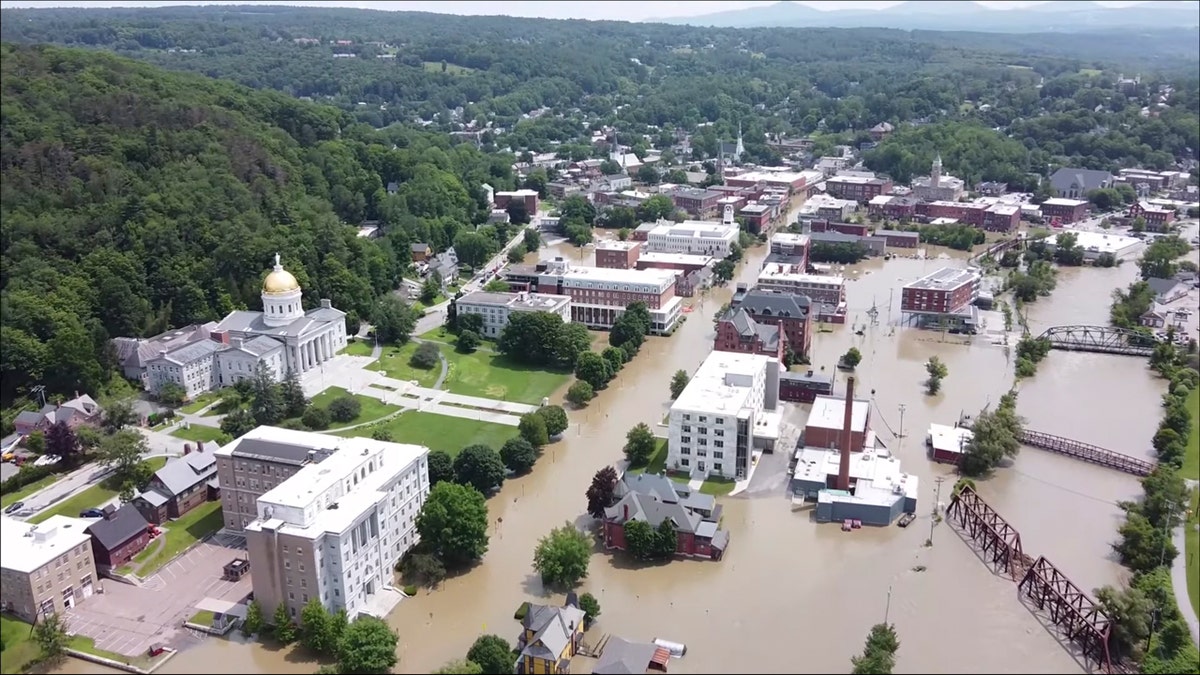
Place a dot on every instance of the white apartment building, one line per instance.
(823, 288)
(713, 423)
(697, 237)
(495, 308)
(336, 529)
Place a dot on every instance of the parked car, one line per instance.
(91, 513)
(14, 507)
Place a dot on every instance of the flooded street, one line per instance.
(791, 595)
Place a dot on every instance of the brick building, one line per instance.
(600, 295)
(1157, 217)
(737, 331)
(1002, 218)
(790, 312)
(893, 207)
(618, 255)
(698, 202)
(845, 228)
(1065, 210)
(826, 420)
(857, 188)
(946, 291)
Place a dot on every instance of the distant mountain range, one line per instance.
(1058, 17)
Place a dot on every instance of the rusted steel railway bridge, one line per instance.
(1099, 339)
(1077, 616)
(1087, 452)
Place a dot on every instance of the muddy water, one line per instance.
(792, 596)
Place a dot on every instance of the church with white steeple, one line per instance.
(283, 336)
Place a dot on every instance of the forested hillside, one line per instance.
(134, 199)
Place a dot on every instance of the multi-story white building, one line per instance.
(937, 187)
(712, 425)
(495, 308)
(599, 295)
(45, 568)
(697, 237)
(823, 288)
(336, 529)
(283, 337)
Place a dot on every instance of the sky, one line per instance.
(627, 11)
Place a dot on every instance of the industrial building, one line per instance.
(1095, 244)
(827, 421)
(727, 410)
(946, 444)
(866, 486)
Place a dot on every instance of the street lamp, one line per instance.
(903, 407)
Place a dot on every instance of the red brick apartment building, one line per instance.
(893, 207)
(530, 197)
(618, 255)
(757, 217)
(792, 313)
(655, 499)
(737, 331)
(946, 291)
(698, 202)
(1065, 210)
(1002, 218)
(845, 228)
(1156, 217)
(969, 214)
(797, 246)
(858, 188)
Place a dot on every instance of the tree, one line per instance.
(561, 557)
(460, 667)
(665, 540)
(119, 415)
(430, 290)
(61, 441)
(679, 382)
(469, 322)
(623, 234)
(640, 539)
(316, 629)
(254, 622)
(171, 394)
(453, 523)
(493, 654)
(723, 270)
(282, 627)
(517, 213)
(1143, 547)
(640, 445)
(35, 442)
(532, 428)
(616, 358)
(368, 647)
(555, 418)
(593, 369)
(441, 467)
(518, 455)
(294, 402)
(590, 606)
(629, 330)
(124, 451)
(316, 418)
(995, 435)
(394, 320)
(88, 438)
(937, 371)
(531, 239)
(51, 637)
(601, 493)
(655, 208)
(852, 358)
(268, 404)
(879, 653)
(480, 467)
(1130, 612)
(580, 393)
(423, 568)
(238, 423)
(344, 408)
(426, 356)
(468, 341)
(516, 254)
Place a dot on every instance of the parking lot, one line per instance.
(129, 619)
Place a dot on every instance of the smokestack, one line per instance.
(847, 435)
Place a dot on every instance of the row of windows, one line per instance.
(687, 417)
(687, 428)
(702, 441)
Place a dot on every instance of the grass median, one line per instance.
(439, 432)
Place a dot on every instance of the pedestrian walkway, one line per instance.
(1179, 575)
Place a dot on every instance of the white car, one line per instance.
(47, 460)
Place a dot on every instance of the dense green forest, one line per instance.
(134, 199)
(1056, 95)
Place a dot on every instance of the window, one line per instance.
(683, 462)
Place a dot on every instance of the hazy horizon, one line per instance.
(614, 11)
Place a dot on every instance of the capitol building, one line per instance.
(283, 337)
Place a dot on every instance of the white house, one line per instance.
(495, 308)
(697, 237)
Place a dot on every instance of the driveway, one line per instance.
(8, 470)
(129, 619)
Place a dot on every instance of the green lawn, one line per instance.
(372, 408)
(442, 335)
(178, 535)
(198, 432)
(451, 69)
(89, 498)
(202, 400)
(492, 375)
(359, 348)
(421, 306)
(19, 647)
(1191, 460)
(203, 618)
(22, 493)
(439, 432)
(658, 461)
(717, 487)
(394, 363)
(81, 643)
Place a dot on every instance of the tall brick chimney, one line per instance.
(843, 482)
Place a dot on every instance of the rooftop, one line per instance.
(948, 439)
(857, 180)
(28, 547)
(652, 277)
(695, 229)
(723, 383)
(789, 239)
(1061, 201)
(828, 412)
(774, 176)
(1097, 241)
(784, 272)
(675, 258)
(615, 245)
(531, 302)
(755, 208)
(276, 444)
(878, 477)
(947, 278)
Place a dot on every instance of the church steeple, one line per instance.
(935, 173)
(739, 149)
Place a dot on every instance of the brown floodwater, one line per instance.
(791, 595)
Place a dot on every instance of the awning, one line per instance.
(222, 607)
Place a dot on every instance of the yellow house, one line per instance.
(550, 636)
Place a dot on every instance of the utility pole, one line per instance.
(888, 607)
(903, 407)
(937, 499)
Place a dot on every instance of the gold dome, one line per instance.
(280, 281)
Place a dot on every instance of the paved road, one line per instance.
(1179, 576)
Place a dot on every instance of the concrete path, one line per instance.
(1179, 581)
(75, 482)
